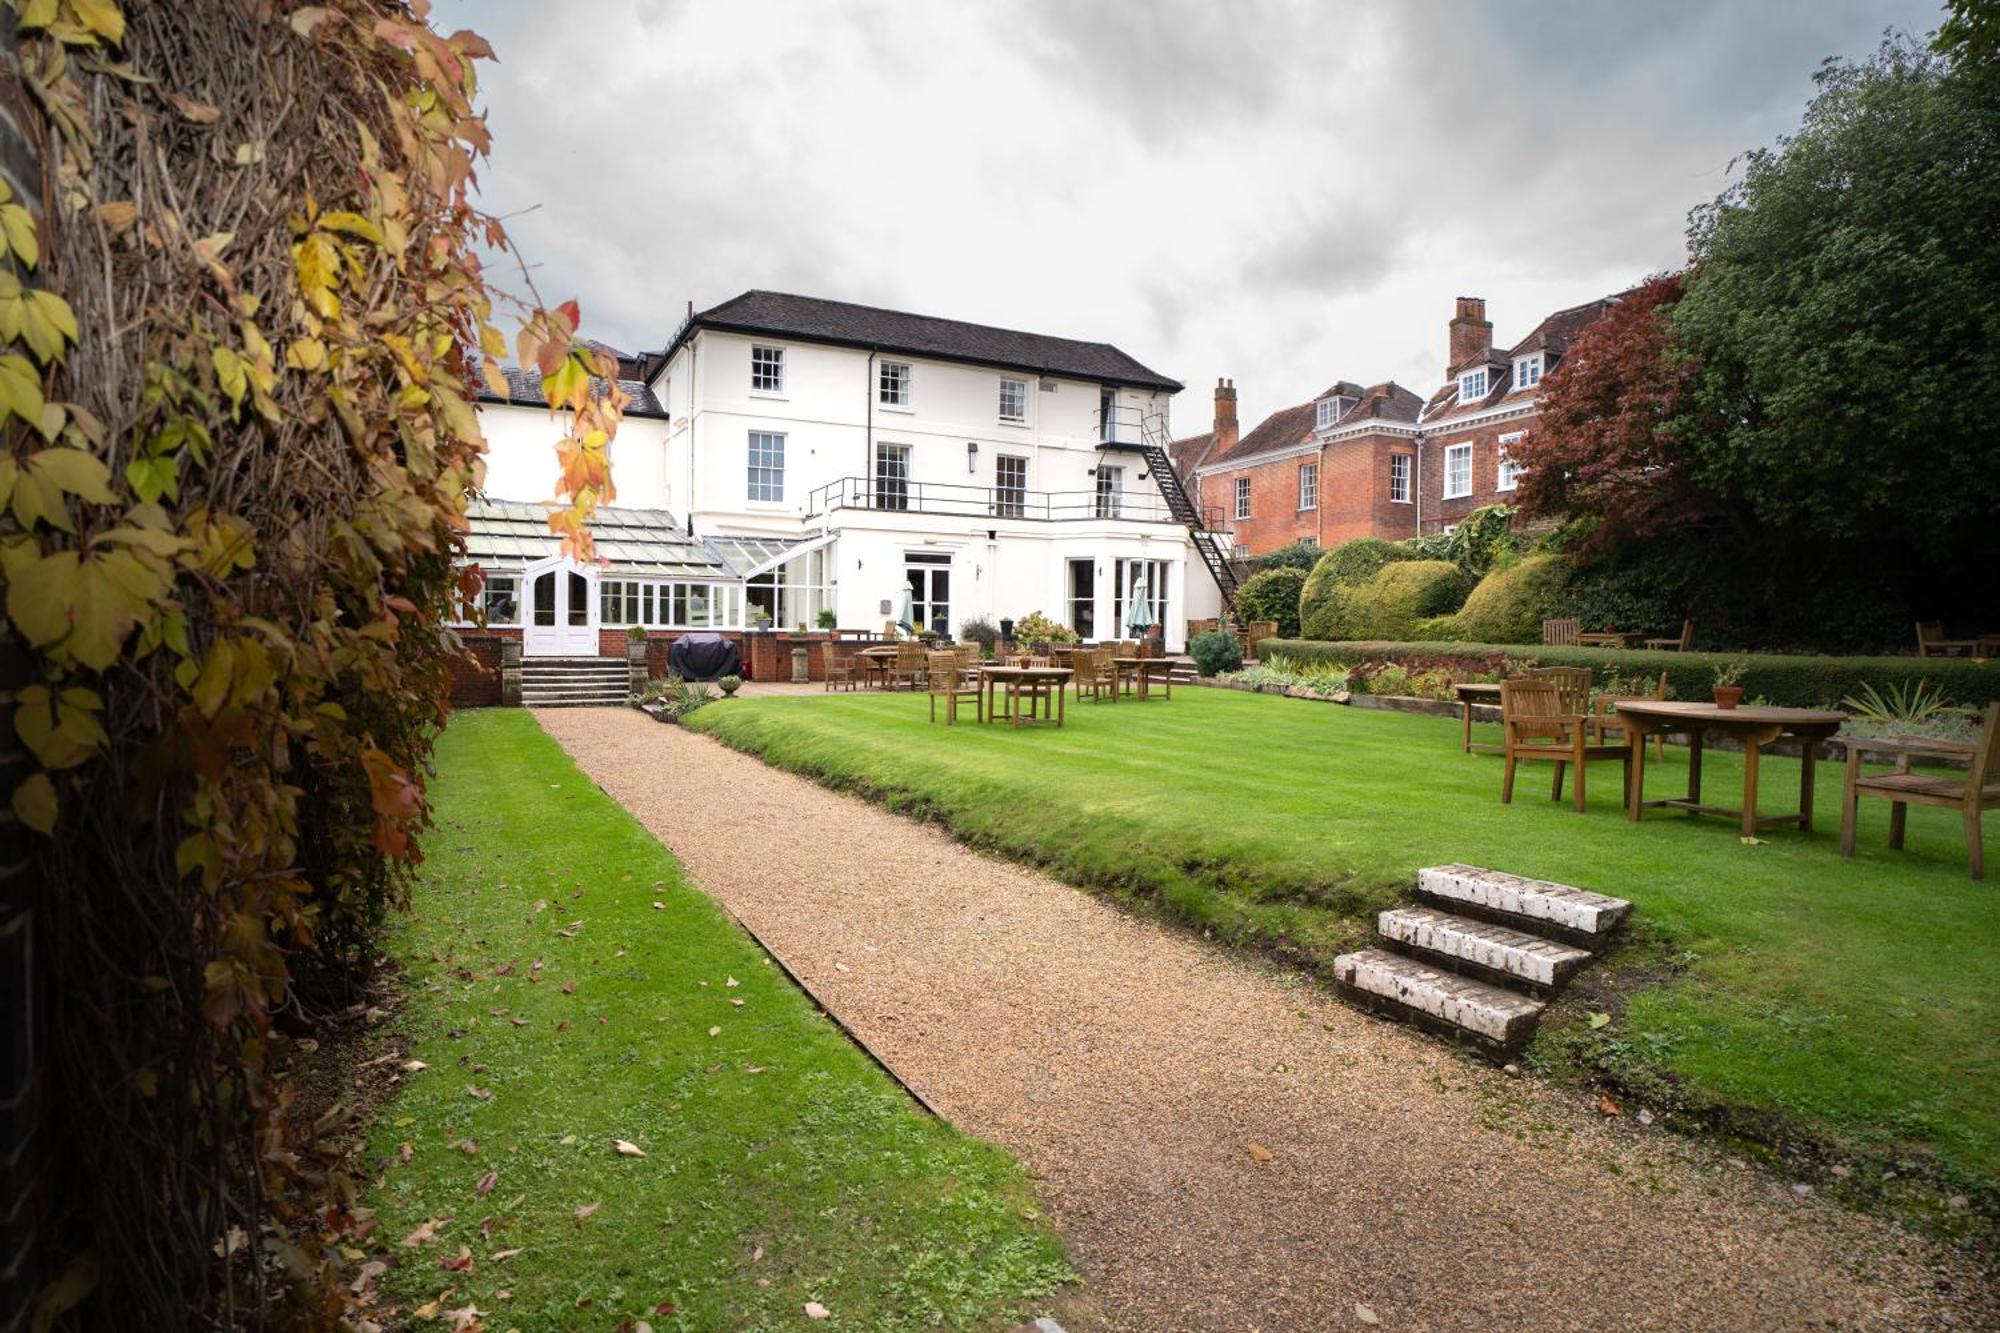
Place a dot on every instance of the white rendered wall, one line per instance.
(521, 457)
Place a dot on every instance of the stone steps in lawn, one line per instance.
(1498, 953)
(1441, 1001)
(1535, 905)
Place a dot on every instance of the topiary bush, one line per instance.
(1510, 603)
(1321, 613)
(1273, 595)
(1389, 605)
(1215, 652)
(1301, 555)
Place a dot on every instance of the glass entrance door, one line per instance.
(558, 622)
(930, 590)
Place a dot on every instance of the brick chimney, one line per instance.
(1224, 438)
(1471, 333)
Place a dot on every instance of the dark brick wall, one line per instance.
(1485, 441)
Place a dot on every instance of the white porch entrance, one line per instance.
(559, 621)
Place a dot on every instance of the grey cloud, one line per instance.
(1335, 252)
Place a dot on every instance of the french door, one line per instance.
(930, 590)
(558, 615)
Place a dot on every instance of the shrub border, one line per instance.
(1786, 679)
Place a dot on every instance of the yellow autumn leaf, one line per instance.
(459, 418)
(305, 354)
(113, 590)
(39, 594)
(17, 225)
(231, 373)
(211, 687)
(496, 379)
(318, 264)
(20, 389)
(353, 224)
(101, 17)
(35, 803)
(61, 731)
(75, 473)
(492, 342)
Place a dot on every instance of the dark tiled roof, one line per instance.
(524, 389)
(1552, 336)
(1382, 402)
(815, 320)
(1340, 388)
(1189, 454)
(1284, 428)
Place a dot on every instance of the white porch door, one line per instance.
(560, 622)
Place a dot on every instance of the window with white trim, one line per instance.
(1013, 400)
(1399, 479)
(1528, 371)
(1325, 413)
(767, 369)
(1110, 492)
(501, 599)
(893, 388)
(1472, 385)
(1243, 497)
(1457, 471)
(657, 604)
(767, 467)
(892, 476)
(1308, 486)
(1010, 486)
(1508, 474)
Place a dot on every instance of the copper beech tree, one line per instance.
(239, 343)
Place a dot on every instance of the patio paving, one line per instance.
(1226, 1146)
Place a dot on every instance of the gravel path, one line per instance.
(1133, 1068)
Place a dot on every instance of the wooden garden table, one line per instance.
(1477, 692)
(875, 662)
(1609, 638)
(1143, 669)
(1014, 677)
(1754, 727)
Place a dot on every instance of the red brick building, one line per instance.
(1487, 403)
(1314, 471)
(1380, 462)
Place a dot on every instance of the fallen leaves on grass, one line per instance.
(1599, 1020)
(1607, 1106)
(814, 1310)
(1258, 1152)
(405, 1151)
(414, 1066)
(457, 1263)
(424, 1234)
(715, 1032)
(486, 1184)
(502, 1256)
(586, 1210)
(1364, 1314)
(627, 1149)
(732, 981)
(479, 1094)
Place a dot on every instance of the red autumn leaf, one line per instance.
(586, 1210)
(486, 1184)
(1606, 1106)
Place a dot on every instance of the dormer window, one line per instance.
(1328, 412)
(1528, 371)
(1472, 385)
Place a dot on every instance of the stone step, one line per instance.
(573, 676)
(1441, 1001)
(1570, 913)
(1499, 951)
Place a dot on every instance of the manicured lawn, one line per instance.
(1849, 1004)
(567, 990)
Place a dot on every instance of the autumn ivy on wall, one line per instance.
(237, 364)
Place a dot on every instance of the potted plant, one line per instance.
(826, 619)
(760, 619)
(1729, 684)
(730, 684)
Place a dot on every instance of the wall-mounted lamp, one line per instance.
(972, 455)
(1090, 472)
(1142, 476)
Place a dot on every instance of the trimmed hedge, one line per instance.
(1510, 604)
(1272, 595)
(1322, 605)
(1792, 681)
(1389, 605)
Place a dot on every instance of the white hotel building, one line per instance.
(786, 455)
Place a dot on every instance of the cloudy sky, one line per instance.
(1287, 193)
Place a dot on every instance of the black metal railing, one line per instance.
(943, 497)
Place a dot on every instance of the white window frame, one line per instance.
(1110, 492)
(1308, 486)
(890, 486)
(892, 385)
(1457, 453)
(495, 579)
(767, 370)
(1325, 412)
(1010, 501)
(1020, 414)
(1241, 495)
(1399, 478)
(1528, 371)
(1473, 385)
(772, 443)
(1506, 472)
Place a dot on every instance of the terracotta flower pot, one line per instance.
(1728, 696)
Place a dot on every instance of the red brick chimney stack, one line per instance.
(1471, 334)
(1224, 438)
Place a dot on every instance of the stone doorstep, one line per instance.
(1589, 914)
(1497, 1017)
(1499, 950)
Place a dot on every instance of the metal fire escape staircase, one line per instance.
(1213, 545)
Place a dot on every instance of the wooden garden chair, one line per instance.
(1574, 682)
(912, 664)
(1931, 641)
(1559, 633)
(1096, 673)
(837, 664)
(947, 680)
(1540, 723)
(1684, 643)
(1974, 794)
(1604, 719)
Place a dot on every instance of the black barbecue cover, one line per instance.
(704, 657)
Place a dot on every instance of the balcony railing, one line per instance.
(935, 497)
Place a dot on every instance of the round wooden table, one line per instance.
(1753, 727)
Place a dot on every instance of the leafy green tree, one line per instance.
(1272, 595)
(1842, 312)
